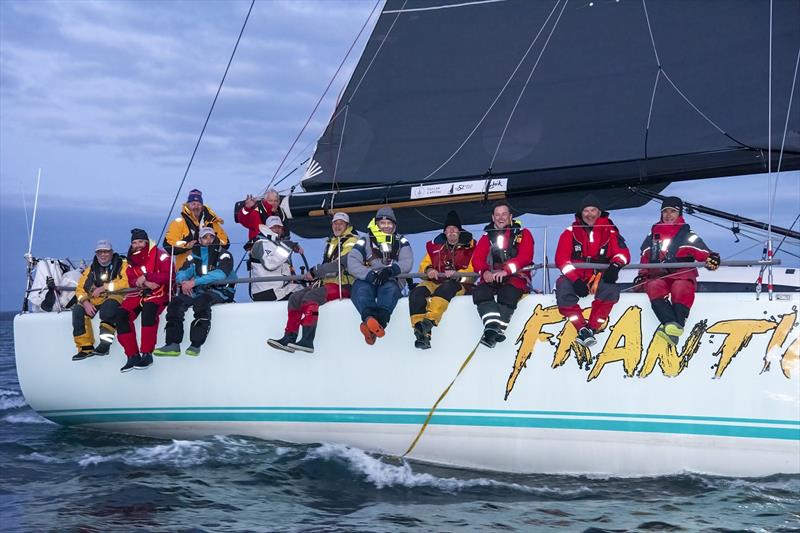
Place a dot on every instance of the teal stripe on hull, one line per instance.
(639, 426)
(61, 412)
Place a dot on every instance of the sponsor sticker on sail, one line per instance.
(457, 188)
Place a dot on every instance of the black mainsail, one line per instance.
(460, 102)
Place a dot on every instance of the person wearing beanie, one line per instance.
(331, 281)
(501, 254)
(96, 295)
(671, 290)
(592, 238)
(201, 284)
(271, 255)
(183, 233)
(374, 262)
(150, 270)
(447, 255)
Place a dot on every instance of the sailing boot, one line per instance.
(306, 342)
(671, 339)
(422, 334)
(83, 353)
(489, 337)
(171, 349)
(131, 363)
(107, 334)
(681, 314)
(145, 360)
(193, 350)
(284, 342)
(663, 310)
(586, 337)
(505, 318)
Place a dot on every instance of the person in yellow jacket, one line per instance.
(97, 295)
(447, 255)
(331, 282)
(183, 232)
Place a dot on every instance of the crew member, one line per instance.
(183, 232)
(331, 282)
(150, 270)
(96, 294)
(592, 238)
(375, 261)
(671, 290)
(447, 255)
(200, 287)
(253, 212)
(500, 257)
(270, 256)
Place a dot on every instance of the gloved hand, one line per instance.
(51, 284)
(612, 273)
(581, 288)
(382, 276)
(640, 279)
(293, 246)
(712, 262)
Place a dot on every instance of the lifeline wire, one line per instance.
(319, 101)
(208, 117)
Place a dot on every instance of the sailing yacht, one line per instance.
(456, 104)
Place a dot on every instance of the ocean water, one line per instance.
(57, 478)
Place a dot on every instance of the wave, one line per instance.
(11, 399)
(180, 453)
(384, 475)
(27, 418)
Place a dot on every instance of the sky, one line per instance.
(108, 99)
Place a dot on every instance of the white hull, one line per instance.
(743, 422)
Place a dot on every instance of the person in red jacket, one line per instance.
(149, 269)
(252, 212)
(447, 255)
(671, 290)
(592, 238)
(499, 258)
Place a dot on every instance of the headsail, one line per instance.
(541, 101)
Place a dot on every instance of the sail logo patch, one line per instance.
(457, 188)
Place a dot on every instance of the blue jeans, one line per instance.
(378, 302)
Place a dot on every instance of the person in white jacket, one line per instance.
(270, 256)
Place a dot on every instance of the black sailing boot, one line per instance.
(422, 334)
(284, 342)
(83, 353)
(306, 342)
(663, 310)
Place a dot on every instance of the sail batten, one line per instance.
(609, 95)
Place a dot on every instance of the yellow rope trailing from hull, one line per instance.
(441, 397)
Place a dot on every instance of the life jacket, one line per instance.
(206, 218)
(504, 243)
(666, 239)
(99, 274)
(584, 236)
(445, 256)
(383, 246)
(202, 268)
(141, 264)
(332, 247)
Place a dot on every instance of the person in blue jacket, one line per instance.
(199, 286)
